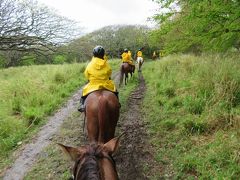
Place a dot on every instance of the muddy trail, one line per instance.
(135, 153)
(133, 158)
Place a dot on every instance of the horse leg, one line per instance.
(126, 78)
(140, 66)
(121, 78)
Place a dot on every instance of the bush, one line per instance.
(59, 59)
(28, 60)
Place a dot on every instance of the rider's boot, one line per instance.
(82, 106)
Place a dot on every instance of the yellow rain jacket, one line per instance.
(130, 54)
(126, 58)
(139, 54)
(98, 73)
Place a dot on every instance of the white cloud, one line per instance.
(94, 14)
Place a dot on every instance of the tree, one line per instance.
(199, 25)
(113, 38)
(27, 26)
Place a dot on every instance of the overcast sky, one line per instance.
(94, 14)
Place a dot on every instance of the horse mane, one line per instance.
(89, 168)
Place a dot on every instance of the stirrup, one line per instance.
(81, 109)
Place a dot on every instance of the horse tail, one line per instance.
(102, 114)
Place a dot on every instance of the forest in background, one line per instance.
(32, 33)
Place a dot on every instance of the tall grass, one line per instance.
(29, 94)
(195, 114)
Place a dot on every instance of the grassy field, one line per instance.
(29, 94)
(194, 120)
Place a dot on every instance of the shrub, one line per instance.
(59, 59)
(28, 60)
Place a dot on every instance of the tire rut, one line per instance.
(133, 152)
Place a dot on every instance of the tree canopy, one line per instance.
(113, 38)
(197, 25)
(28, 26)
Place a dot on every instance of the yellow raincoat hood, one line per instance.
(98, 72)
(98, 63)
(139, 54)
(126, 58)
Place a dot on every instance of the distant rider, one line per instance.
(127, 58)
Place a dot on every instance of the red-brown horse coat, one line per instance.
(102, 113)
(124, 70)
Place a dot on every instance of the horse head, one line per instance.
(93, 161)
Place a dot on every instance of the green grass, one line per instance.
(28, 95)
(194, 120)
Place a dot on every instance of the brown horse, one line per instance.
(93, 161)
(124, 70)
(102, 113)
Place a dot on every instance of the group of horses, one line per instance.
(94, 161)
(126, 69)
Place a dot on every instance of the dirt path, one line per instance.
(30, 151)
(133, 153)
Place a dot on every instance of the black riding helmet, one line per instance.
(99, 52)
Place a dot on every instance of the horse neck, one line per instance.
(95, 165)
(88, 169)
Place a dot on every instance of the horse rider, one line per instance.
(98, 72)
(154, 56)
(126, 58)
(140, 56)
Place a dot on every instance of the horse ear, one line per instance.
(112, 145)
(71, 152)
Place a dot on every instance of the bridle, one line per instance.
(76, 169)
